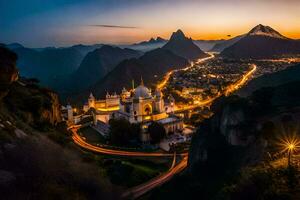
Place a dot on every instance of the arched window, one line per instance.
(147, 110)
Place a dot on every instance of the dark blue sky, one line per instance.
(37, 23)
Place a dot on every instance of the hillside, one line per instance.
(37, 157)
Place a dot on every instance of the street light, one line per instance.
(290, 146)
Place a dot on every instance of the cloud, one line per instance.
(113, 26)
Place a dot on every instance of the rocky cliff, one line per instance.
(232, 127)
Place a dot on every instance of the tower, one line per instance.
(159, 102)
(91, 101)
(70, 113)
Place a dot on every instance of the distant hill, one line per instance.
(148, 45)
(288, 75)
(13, 46)
(151, 67)
(262, 42)
(98, 63)
(85, 49)
(47, 63)
(227, 43)
(153, 41)
(207, 45)
(183, 46)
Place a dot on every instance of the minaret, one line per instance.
(132, 84)
(159, 101)
(91, 101)
(142, 81)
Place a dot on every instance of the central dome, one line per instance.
(142, 92)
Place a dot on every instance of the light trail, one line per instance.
(166, 78)
(140, 190)
(231, 88)
(241, 82)
(80, 142)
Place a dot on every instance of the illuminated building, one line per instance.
(110, 103)
(141, 106)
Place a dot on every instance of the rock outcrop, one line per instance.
(8, 70)
(23, 98)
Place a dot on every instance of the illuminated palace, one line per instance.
(139, 105)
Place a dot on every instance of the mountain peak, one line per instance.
(152, 40)
(160, 39)
(178, 35)
(265, 31)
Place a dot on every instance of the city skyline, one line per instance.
(63, 23)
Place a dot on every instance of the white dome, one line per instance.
(141, 91)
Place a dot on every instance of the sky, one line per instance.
(40, 23)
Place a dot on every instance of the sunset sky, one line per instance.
(39, 23)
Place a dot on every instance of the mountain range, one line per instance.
(84, 67)
(98, 63)
(47, 63)
(262, 42)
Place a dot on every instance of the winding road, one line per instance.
(139, 190)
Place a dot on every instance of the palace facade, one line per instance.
(139, 105)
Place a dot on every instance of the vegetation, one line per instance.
(157, 132)
(123, 133)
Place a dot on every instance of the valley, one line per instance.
(164, 118)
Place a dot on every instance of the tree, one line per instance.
(157, 132)
(119, 131)
(135, 131)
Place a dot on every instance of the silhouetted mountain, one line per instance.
(262, 42)
(227, 43)
(152, 41)
(151, 66)
(47, 63)
(183, 46)
(85, 49)
(98, 63)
